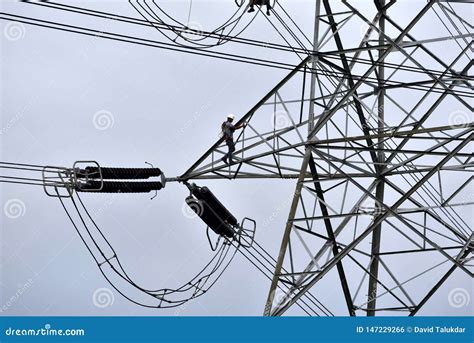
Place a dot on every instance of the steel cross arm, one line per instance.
(248, 160)
(331, 236)
(264, 140)
(367, 231)
(400, 134)
(275, 175)
(249, 113)
(323, 120)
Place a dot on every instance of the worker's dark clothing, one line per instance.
(228, 130)
(260, 3)
(230, 143)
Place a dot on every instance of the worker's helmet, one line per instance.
(231, 116)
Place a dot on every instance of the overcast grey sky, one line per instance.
(163, 107)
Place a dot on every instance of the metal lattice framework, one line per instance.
(379, 142)
(372, 141)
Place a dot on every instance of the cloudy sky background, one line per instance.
(166, 109)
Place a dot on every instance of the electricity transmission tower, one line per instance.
(379, 132)
(378, 142)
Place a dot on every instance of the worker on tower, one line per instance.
(228, 134)
(260, 3)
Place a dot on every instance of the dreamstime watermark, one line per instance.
(281, 207)
(103, 297)
(14, 208)
(14, 31)
(459, 297)
(14, 298)
(280, 298)
(459, 118)
(10, 124)
(192, 209)
(47, 330)
(373, 295)
(281, 120)
(190, 122)
(105, 205)
(103, 120)
(193, 31)
(370, 206)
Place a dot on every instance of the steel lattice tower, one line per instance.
(372, 165)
